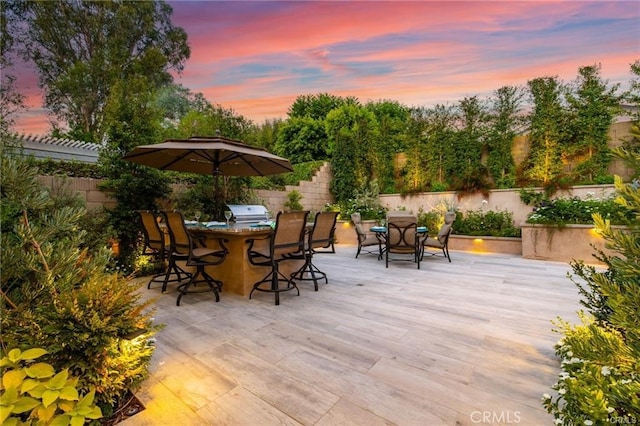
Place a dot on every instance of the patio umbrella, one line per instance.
(216, 156)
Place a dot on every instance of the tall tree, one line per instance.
(593, 105)
(632, 95)
(131, 120)
(317, 106)
(392, 119)
(505, 120)
(469, 174)
(546, 131)
(82, 48)
(302, 139)
(11, 101)
(350, 129)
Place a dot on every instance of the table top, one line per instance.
(383, 229)
(231, 229)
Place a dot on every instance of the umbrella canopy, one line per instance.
(216, 156)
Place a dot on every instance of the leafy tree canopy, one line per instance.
(101, 42)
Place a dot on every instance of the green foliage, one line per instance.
(33, 392)
(500, 136)
(71, 168)
(130, 120)
(562, 211)
(488, 223)
(392, 120)
(212, 119)
(318, 106)
(593, 107)
(600, 378)
(302, 139)
(350, 129)
(546, 133)
(57, 294)
(301, 171)
(293, 201)
(366, 202)
(120, 40)
(531, 197)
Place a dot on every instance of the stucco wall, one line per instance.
(498, 200)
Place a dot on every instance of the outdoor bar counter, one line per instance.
(236, 272)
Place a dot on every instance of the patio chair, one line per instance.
(196, 253)
(156, 246)
(320, 237)
(284, 244)
(402, 238)
(365, 239)
(441, 241)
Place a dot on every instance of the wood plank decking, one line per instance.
(461, 343)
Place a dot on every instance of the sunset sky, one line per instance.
(257, 57)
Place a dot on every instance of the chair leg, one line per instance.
(212, 283)
(274, 278)
(310, 269)
(165, 278)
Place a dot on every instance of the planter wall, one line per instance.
(345, 234)
(562, 244)
(486, 244)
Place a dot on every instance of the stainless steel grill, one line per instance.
(248, 213)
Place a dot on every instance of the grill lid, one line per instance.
(244, 213)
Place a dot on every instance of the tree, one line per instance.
(467, 170)
(504, 122)
(131, 120)
(546, 131)
(175, 101)
(302, 139)
(82, 48)
(265, 135)
(392, 119)
(350, 129)
(633, 96)
(318, 106)
(593, 106)
(11, 101)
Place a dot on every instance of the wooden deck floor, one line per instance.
(461, 343)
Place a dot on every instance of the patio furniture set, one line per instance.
(234, 256)
(401, 235)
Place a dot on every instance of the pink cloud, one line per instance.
(257, 57)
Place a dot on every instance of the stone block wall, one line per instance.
(87, 188)
(315, 193)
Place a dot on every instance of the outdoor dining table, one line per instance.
(381, 235)
(236, 272)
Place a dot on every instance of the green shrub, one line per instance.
(34, 392)
(301, 172)
(600, 378)
(58, 296)
(562, 211)
(293, 201)
(489, 223)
